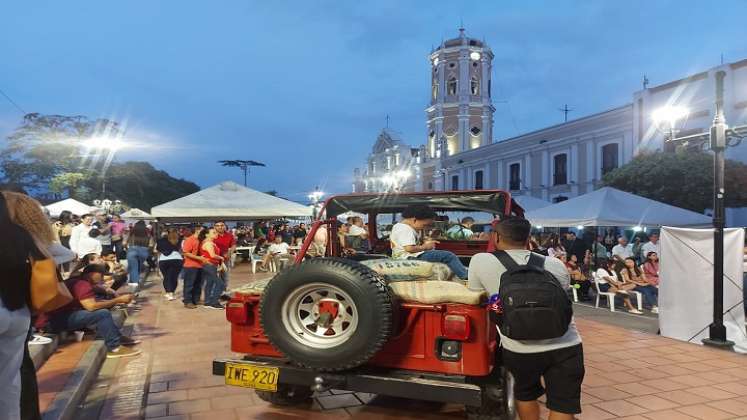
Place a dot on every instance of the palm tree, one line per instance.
(241, 164)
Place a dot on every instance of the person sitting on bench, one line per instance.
(407, 243)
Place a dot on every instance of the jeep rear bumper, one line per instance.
(396, 383)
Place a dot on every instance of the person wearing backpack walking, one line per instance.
(536, 328)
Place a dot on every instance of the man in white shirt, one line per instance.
(277, 251)
(559, 361)
(651, 246)
(89, 244)
(357, 234)
(405, 240)
(81, 231)
(623, 249)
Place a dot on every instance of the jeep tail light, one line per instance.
(237, 312)
(455, 327)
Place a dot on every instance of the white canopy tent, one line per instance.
(529, 203)
(230, 201)
(611, 207)
(73, 206)
(136, 214)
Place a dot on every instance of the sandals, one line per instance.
(40, 340)
(635, 311)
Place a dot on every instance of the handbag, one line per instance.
(48, 291)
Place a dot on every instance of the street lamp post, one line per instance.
(718, 139)
(315, 198)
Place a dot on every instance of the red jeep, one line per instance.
(331, 322)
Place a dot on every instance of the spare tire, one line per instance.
(327, 314)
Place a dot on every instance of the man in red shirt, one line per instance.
(192, 267)
(86, 312)
(226, 244)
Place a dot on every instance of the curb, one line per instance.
(65, 404)
(41, 353)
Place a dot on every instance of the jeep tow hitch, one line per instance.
(325, 383)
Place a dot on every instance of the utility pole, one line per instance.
(565, 110)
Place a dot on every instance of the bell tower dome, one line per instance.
(460, 113)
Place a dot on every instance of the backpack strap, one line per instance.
(536, 260)
(505, 259)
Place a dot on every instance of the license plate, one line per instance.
(252, 376)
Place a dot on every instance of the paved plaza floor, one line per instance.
(629, 374)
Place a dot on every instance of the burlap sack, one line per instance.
(253, 288)
(409, 270)
(436, 292)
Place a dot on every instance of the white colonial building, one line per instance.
(553, 163)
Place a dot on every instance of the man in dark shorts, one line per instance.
(559, 361)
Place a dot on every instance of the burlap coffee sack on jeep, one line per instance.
(253, 288)
(409, 270)
(436, 292)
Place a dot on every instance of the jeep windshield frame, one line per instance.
(488, 201)
(496, 202)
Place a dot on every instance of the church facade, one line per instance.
(554, 163)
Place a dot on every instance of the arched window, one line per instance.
(455, 183)
(434, 90)
(451, 86)
(474, 86)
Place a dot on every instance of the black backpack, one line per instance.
(535, 305)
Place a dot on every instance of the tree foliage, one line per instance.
(46, 154)
(141, 185)
(683, 179)
(47, 145)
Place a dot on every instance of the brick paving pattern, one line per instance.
(629, 375)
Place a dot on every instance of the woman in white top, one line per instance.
(608, 282)
(554, 247)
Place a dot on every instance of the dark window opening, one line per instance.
(475, 131)
(455, 183)
(478, 180)
(430, 186)
(610, 156)
(560, 173)
(451, 86)
(514, 182)
(559, 198)
(489, 95)
(475, 86)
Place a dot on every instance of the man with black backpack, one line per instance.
(535, 321)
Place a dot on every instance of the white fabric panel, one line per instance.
(74, 206)
(610, 207)
(686, 285)
(231, 201)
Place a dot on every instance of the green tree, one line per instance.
(141, 185)
(67, 182)
(683, 179)
(46, 145)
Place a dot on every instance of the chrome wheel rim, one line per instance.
(319, 315)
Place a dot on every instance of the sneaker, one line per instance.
(634, 311)
(655, 310)
(40, 340)
(122, 352)
(169, 296)
(190, 306)
(214, 306)
(133, 286)
(128, 341)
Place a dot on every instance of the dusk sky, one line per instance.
(305, 86)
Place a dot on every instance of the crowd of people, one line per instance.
(618, 267)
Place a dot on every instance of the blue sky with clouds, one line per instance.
(304, 86)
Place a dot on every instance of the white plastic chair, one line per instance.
(575, 294)
(609, 295)
(256, 258)
(638, 298)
